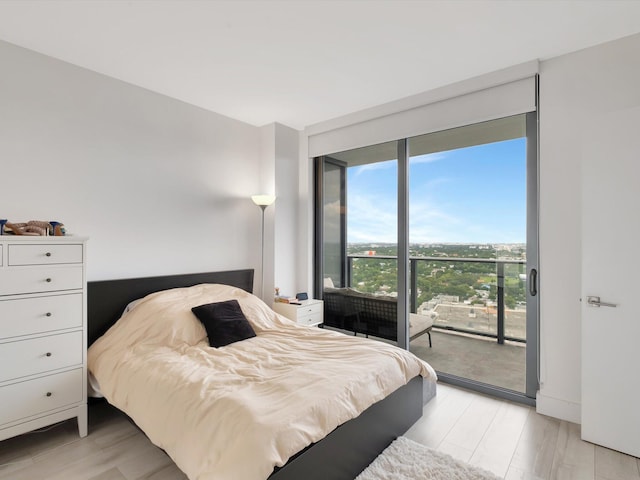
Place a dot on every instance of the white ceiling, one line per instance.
(307, 61)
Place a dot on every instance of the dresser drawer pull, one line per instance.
(48, 280)
(48, 314)
(48, 254)
(48, 354)
(49, 394)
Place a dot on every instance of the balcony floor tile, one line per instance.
(483, 360)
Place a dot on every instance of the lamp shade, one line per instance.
(263, 200)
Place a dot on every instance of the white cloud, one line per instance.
(388, 164)
(429, 222)
(428, 158)
(371, 220)
(370, 167)
(426, 188)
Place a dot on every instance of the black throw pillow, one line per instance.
(224, 322)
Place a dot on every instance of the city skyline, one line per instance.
(472, 195)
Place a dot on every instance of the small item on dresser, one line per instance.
(285, 299)
(15, 228)
(2, 224)
(31, 228)
(38, 223)
(37, 227)
(57, 229)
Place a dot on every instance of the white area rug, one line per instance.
(405, 459)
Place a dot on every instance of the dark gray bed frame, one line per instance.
(342, 454)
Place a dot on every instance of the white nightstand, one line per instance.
(309, 312)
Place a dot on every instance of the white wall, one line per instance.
(306, 216)
(286, 255)
(279, 176)
(574, 90)
(158, 185)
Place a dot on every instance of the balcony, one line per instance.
(477, 306)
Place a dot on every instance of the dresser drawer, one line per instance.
(26, 316)
(43, 254)
(25, 399)
(39, 355)
(42, 279)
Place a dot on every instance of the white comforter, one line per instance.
(235, 412)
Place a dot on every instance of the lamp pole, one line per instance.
(263, 207)
(263, 201)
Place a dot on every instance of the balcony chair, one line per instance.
(366, 314)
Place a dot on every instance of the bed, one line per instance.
(340, 453)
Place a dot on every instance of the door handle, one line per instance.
(533, 280)
(595, 302)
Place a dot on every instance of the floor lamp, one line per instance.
(263, 201)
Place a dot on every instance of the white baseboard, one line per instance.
(557, 408)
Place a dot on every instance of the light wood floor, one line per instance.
(509, 439)
(115, 449)
(513, 441)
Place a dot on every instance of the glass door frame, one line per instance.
(404, 306)
(318, 247)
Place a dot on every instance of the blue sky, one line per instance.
(470, 195)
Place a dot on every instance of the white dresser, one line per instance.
(43, 339)
(309, 312)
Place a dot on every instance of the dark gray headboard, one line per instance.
(106, 300)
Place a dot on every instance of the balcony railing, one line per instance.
(482, 315)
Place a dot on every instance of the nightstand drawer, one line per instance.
(25, 399)
(25, 316)
(43, 254)
(44, 279)
(310, 319)
(307, 309)
(39, 355)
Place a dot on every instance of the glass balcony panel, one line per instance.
(515, 301)
(376, 275)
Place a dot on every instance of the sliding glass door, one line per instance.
(468, 237)
(436, 249)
